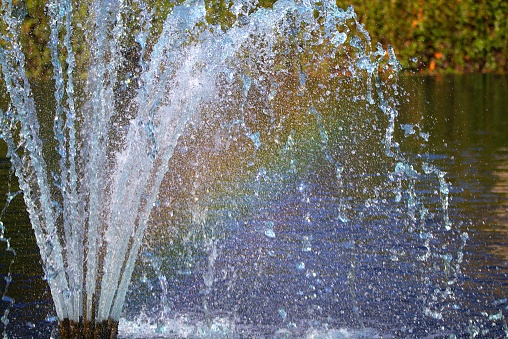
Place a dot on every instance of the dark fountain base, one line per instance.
(107, 329)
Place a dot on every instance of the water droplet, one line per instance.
(343, 218)
(306, 244)
(339, 38)
(392, 60)
(270, 233)
(271, 95)
(499, 302)
(408, 129)
(433, 314)
(496, 316)
(255, 137)
(301, 187)
(357, 43)
(144, 279)
(302, 77)
(51, 319)
(283, 314)
(8, 299)
(365, 64)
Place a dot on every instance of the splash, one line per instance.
(91, 187)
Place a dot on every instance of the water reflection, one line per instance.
(500, 188)
(468, 120)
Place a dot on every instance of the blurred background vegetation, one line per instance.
(440, 35)
(429, 36)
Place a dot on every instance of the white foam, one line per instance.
(189, 326)
(182, 326)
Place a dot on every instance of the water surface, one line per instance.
(266, 253)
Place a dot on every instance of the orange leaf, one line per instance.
(432, 65)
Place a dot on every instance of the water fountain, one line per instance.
(93, 176)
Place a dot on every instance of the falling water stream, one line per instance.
(264, 162)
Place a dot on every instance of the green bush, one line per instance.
(440, 35)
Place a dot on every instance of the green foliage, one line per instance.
(443, 35)
(34, 39)
(427, 35)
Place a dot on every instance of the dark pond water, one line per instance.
(267, 256)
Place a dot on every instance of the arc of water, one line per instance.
(175, 124)
(106, 60)
(33, 182)
(148, 177)
(172, 123)
(65, 134)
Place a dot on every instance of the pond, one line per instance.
(270, 254)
